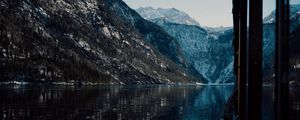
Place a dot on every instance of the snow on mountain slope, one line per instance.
(155, 35)
(78, 41)
(171, 14)
(294, 9)
(210, 54)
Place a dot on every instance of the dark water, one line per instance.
(113, 102)
(268, 103)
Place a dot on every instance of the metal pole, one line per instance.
(282, 60)
(255, 60)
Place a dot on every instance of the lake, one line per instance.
(140, 102)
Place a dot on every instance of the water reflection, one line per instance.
(294, 103)
(114, 102)
(269, 103)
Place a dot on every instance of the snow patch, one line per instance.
(126, 42)
(297, 66)
(173, 15)
(106, 32)
(116, 35)
(198, 83)
(85, 45)
(163, 66)
(42, 11)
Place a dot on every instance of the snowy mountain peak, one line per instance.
(170, 14)
(217, 29)
(294, 12)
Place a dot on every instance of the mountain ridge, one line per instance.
(215, 34)
(205, 50)
(170, 14)
(79, 42)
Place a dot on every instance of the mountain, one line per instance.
(217, 29)
(155, 35)
(210, 49)
(84, 42)
(171, 14)
(211, 54)
(269, 30)
(295, 57)
(295, 43)
(294, 10)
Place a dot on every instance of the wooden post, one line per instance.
(282, 60)
(242, 79)
(255, 60)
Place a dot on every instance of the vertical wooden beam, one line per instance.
(282, 60)
(255, 60)
(242, 59)
(236, 11)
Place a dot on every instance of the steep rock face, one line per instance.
(268, 50)
(294, 10)
(172, 15)
(75, 40)
(269, 38)
(295, 56)
(295, 43)
(216, 30)
(211, 54)
(210, 49)
(154, 34)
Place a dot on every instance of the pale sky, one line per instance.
(212, 13)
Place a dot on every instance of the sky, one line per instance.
(210, 13)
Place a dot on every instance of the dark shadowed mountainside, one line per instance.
(82, 42)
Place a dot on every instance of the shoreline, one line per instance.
(12, 83)
(103, 84)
